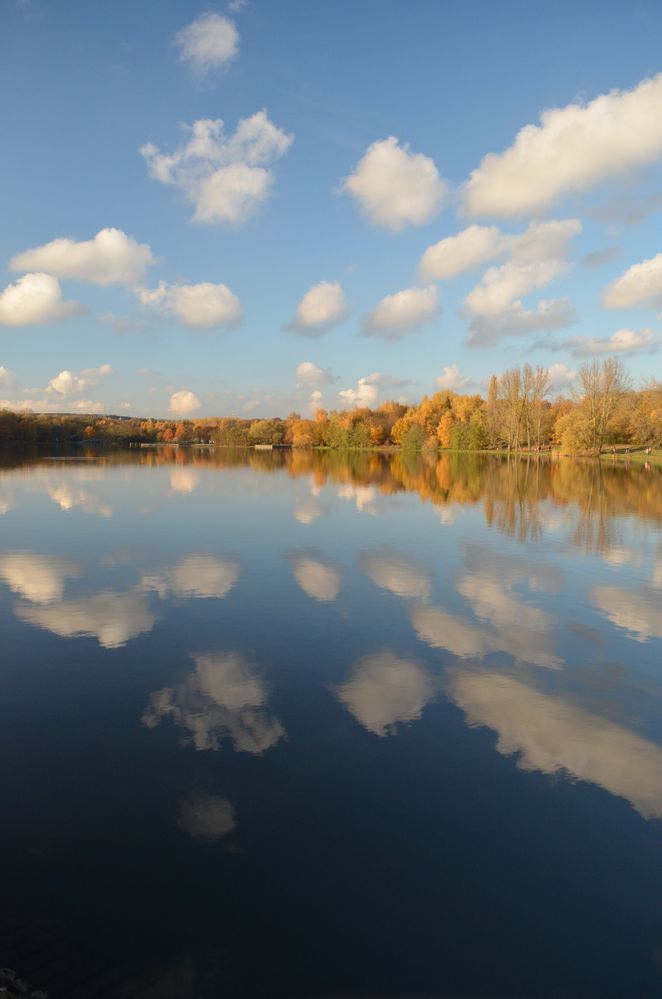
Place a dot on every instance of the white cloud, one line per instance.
(365, 393)
(48, 404)
(112, 618)
(316, 576)
(623, 341)
(315, 400)
(67, 383)
(398, 314)
(6, 376)
(394, 187)
(201, 306)
(322, 307)
(553, 736)
(384, 691)
(210, 42)
(452, 379)
(206, 817)
(111, 257)
(310, 374)
(38, 578)
(184, 403)
(34, 299)
(536, 257)
(225, 177)
(640, 285)
(561, 377)
(223, 697)
(501, 286)
(87, 406)
(516, 320)
(194, 576)
(573, 148)
(397, 573)
(455, 254)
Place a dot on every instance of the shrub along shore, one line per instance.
(604, 414)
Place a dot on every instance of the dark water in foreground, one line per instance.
(295, 725)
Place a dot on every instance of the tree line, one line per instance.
(517, 414)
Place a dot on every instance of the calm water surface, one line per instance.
(298, 725)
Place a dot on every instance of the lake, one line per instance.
(295, 724)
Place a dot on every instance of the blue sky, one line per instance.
(375, 115)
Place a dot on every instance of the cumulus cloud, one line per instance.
(225, 177)
(194, 576)
(384, 691)
(111, 257)
(34, 299)
(365, 393)
(516, 320)
(463, 252)
(397, 573)
(68, 383)
(315, 400)
(183, 403)
(224, 697)
(536, 257)
(622, 342)
(322, 307)
(206, 817)
(50, 404)
(6, 376)
(572, 149)
(208, 43)
(452, 379)
(316, 575)
(203, 306)
(111, 618)
(395, 187)
(308, 373)
(640, 285)
(561, 377)
(399, 314)
(38, 578)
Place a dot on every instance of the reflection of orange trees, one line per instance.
(518, 494)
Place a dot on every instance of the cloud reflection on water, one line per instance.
(194, 576)
(222, 698)
(400, 574)
(39, 578)
(316, 575)
(551, 735)
(112, 618)
(384, 690)
(206, 817)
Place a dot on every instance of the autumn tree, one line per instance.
(601, 385)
